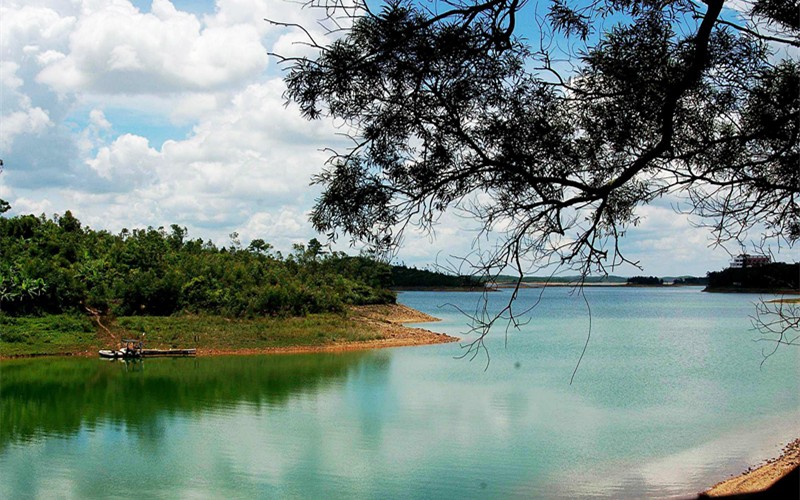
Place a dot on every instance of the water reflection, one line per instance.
(58, 396)
(659, 408)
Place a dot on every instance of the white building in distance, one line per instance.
(747, 260)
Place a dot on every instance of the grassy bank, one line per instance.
(359, 327)
(46, 335)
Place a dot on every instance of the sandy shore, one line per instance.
(757, 479)
(389, 321)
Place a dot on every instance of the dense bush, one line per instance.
(403, 276)
(57, 265)
(775, 276)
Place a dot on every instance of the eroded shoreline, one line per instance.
(363, 327)
(758, 478)
(389, 321)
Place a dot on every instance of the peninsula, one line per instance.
(68, 289)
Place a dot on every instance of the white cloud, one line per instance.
(92, 89)
(293, 44)
(232, 12)
(33, 27)
(669, 243)
(49, 57)
(114, 48)
(28, 121)
(6, 192)
(19, 116)
(281, 228)
(741, 6)
(98, 119)
(8, 76)
(245, 167)
(193, 106)
(128, 161)
(32, 206)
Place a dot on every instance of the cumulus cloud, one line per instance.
(245, 167)
(32, 206)
(669, 243)
(8, 76)
(132, 117)
(31, 120)
(19, 115)
(128, 161)
(98, 119)
(194, 105)
(35, 27)
(282, 228)
(115, 48)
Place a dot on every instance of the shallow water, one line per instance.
(669, 398)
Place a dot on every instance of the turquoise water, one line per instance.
(669, 398)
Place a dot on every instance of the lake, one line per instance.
(670, 397)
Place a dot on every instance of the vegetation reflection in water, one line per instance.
(59, 396)
(670, 398)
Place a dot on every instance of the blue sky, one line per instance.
(151, 113)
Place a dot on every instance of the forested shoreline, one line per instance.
(777, 276)
(56, 265)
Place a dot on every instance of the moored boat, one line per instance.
(124, 352)
(135, 349)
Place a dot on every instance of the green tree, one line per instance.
(552, 127)
(57, 265)
(598, 108)
(69, 223)
(259, 246)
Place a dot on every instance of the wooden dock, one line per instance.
(152, 353)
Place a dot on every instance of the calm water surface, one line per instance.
(669, 398)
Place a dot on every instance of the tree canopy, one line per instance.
(57, 265)
(551, 127)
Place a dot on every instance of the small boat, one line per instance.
(124, 353)
(135, 349)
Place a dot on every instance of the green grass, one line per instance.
(215, 332)
(50, 334)
(61, 334)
